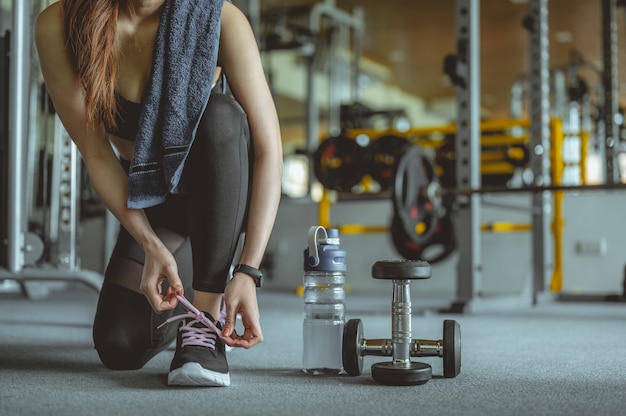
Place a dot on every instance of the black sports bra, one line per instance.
(128, 113)
(127, 119)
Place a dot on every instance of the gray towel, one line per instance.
(185, 56)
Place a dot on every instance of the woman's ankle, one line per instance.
(208, 302)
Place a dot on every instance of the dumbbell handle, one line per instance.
(418, 347)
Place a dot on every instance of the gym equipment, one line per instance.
(401, 371)
(286, 29)
(383, 156)
(4, 134)
(438, 248)
(414, 209)
(358, 116)
(498, 159)
(431, 193)
(26, 256)
(450, 68)
(339, 163)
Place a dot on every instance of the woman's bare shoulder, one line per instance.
(49, 24)
(232, 16)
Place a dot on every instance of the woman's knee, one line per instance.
(123, 332)
(117, 353)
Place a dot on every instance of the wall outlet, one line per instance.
(595, 248)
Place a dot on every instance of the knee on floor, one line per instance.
(118, 354)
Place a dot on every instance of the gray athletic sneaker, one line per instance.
(200, 357)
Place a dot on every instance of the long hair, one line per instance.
(90, 29)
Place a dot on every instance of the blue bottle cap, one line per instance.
(323, 252)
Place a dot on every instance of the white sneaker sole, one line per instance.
(192, 374)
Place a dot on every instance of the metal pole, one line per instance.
(468, 148)
(357, 40)
(19, 82)
(335, 64)
(539, 94)
(312, 111)
(516, 106)
(611, 89)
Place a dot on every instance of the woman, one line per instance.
(104, 63)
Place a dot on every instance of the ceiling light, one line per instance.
(397, 56)
(444, 81)
(564, 37)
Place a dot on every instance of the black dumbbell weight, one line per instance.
(356, 347)
(401, 370)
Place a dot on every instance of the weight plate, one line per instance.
(391, 374)
(437, 249)
(451, 348)
(416, 211)
(351, 348)
(401, 269)
(339, 163)
(383, 156)
(34, 248)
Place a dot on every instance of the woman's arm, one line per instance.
(239, 57)
(105, 172)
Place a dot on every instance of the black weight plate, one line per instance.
(391, 374)
(451, 348)
(401, 269)
(383, 156)
(339, 163)
(351, 347)
(411, 204)
(440, 246)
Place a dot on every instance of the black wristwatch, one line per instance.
(253, 272)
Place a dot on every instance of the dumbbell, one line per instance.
(401, 370)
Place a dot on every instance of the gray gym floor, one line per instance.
(552, 359)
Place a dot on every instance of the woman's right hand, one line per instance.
(159, 266)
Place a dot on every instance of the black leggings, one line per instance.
(202, 229)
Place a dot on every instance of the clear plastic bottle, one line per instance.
(324, 302)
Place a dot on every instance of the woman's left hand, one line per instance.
(240, 298)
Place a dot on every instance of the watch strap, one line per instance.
(253, 272)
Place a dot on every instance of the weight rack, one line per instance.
(23, 248)
(546, 170)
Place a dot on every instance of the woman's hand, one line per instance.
(240, 298)
(160, 266)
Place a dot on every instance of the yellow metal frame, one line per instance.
(505, 227)
(485, 126)
(557, 168)
(584, 153)
(324, 219)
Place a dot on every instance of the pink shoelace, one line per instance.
(196, 336)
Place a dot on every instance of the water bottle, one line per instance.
(324, 302)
